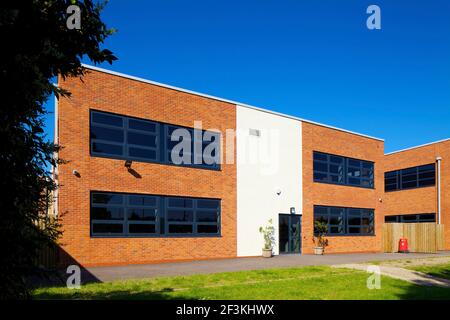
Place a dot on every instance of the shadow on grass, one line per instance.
(411, 291)
(126, 294)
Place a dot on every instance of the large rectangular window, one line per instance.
(409, 178)
(121, 137)
(137, 215)
(346, 221)
(329, 168)
(411, 218)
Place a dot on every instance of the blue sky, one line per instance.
(312, 59)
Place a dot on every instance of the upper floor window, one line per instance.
(415, 177)
(122, 137)
(329, 168)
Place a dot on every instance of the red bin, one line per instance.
(403, 245)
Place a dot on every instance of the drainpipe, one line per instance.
(55, 168)
(438, 160)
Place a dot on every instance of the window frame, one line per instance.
(345, 220)
(345, 170)
(161, 149)
(399, 218)
(398, 174)
(161, 222)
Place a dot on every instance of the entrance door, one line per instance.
(289, 238)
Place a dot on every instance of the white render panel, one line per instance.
(269, 174)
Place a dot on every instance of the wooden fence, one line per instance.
(422, 237)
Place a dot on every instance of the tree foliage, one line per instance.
(37, 45)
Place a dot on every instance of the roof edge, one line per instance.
(419, 146)
(123, 75)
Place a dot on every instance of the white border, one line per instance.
(123, 75)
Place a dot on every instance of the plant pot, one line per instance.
(267, 253)
(318, 250)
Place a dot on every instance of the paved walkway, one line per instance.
(238, 264)
(403, 274)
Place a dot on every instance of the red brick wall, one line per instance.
(318, 138)
(421, 200)
(116, 94)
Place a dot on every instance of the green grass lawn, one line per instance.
(440, 270)
(293, 283)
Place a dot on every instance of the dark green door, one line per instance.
(289, 234)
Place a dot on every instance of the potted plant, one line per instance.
(268, 233)
(320, 230)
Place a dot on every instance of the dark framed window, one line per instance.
(409, 178)
(346, 221)
(411, 218)
(329, 168)
(121, 137)
(137, 215)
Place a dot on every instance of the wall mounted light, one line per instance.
(292, 210)
(128, 164)
(278, 191)
(76, 173)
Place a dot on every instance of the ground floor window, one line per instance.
(346, 221)
(138, 215)
(411, 218)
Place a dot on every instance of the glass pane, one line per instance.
(336, 159)
(353, 172)
(206, 216)
(142, 139)
(367, 165)
(107, 148)
(295, 230)
(142, 201)
(142, 214)
(320, 156)
(142, 125)
(354, 181)
(408, 171)
(180, 203)
(354, 230)
(180, 215)
(283, 229)
(141, 228)
(320, 210)
(354, 221)
(354, 163)
(106, 213)
(425, 168)
(207, 229)
(107, 228)
(180, 228)
(336, 169)
(319, 166)
(320, 176)
(390, 218)
(337, 229)
(142, 153)
(409, 184)
(409, 218)
(208, 204)
(336, 220)
(108, 119)
(108, 134)
(107, 198)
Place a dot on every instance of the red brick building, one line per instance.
(125, 199)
